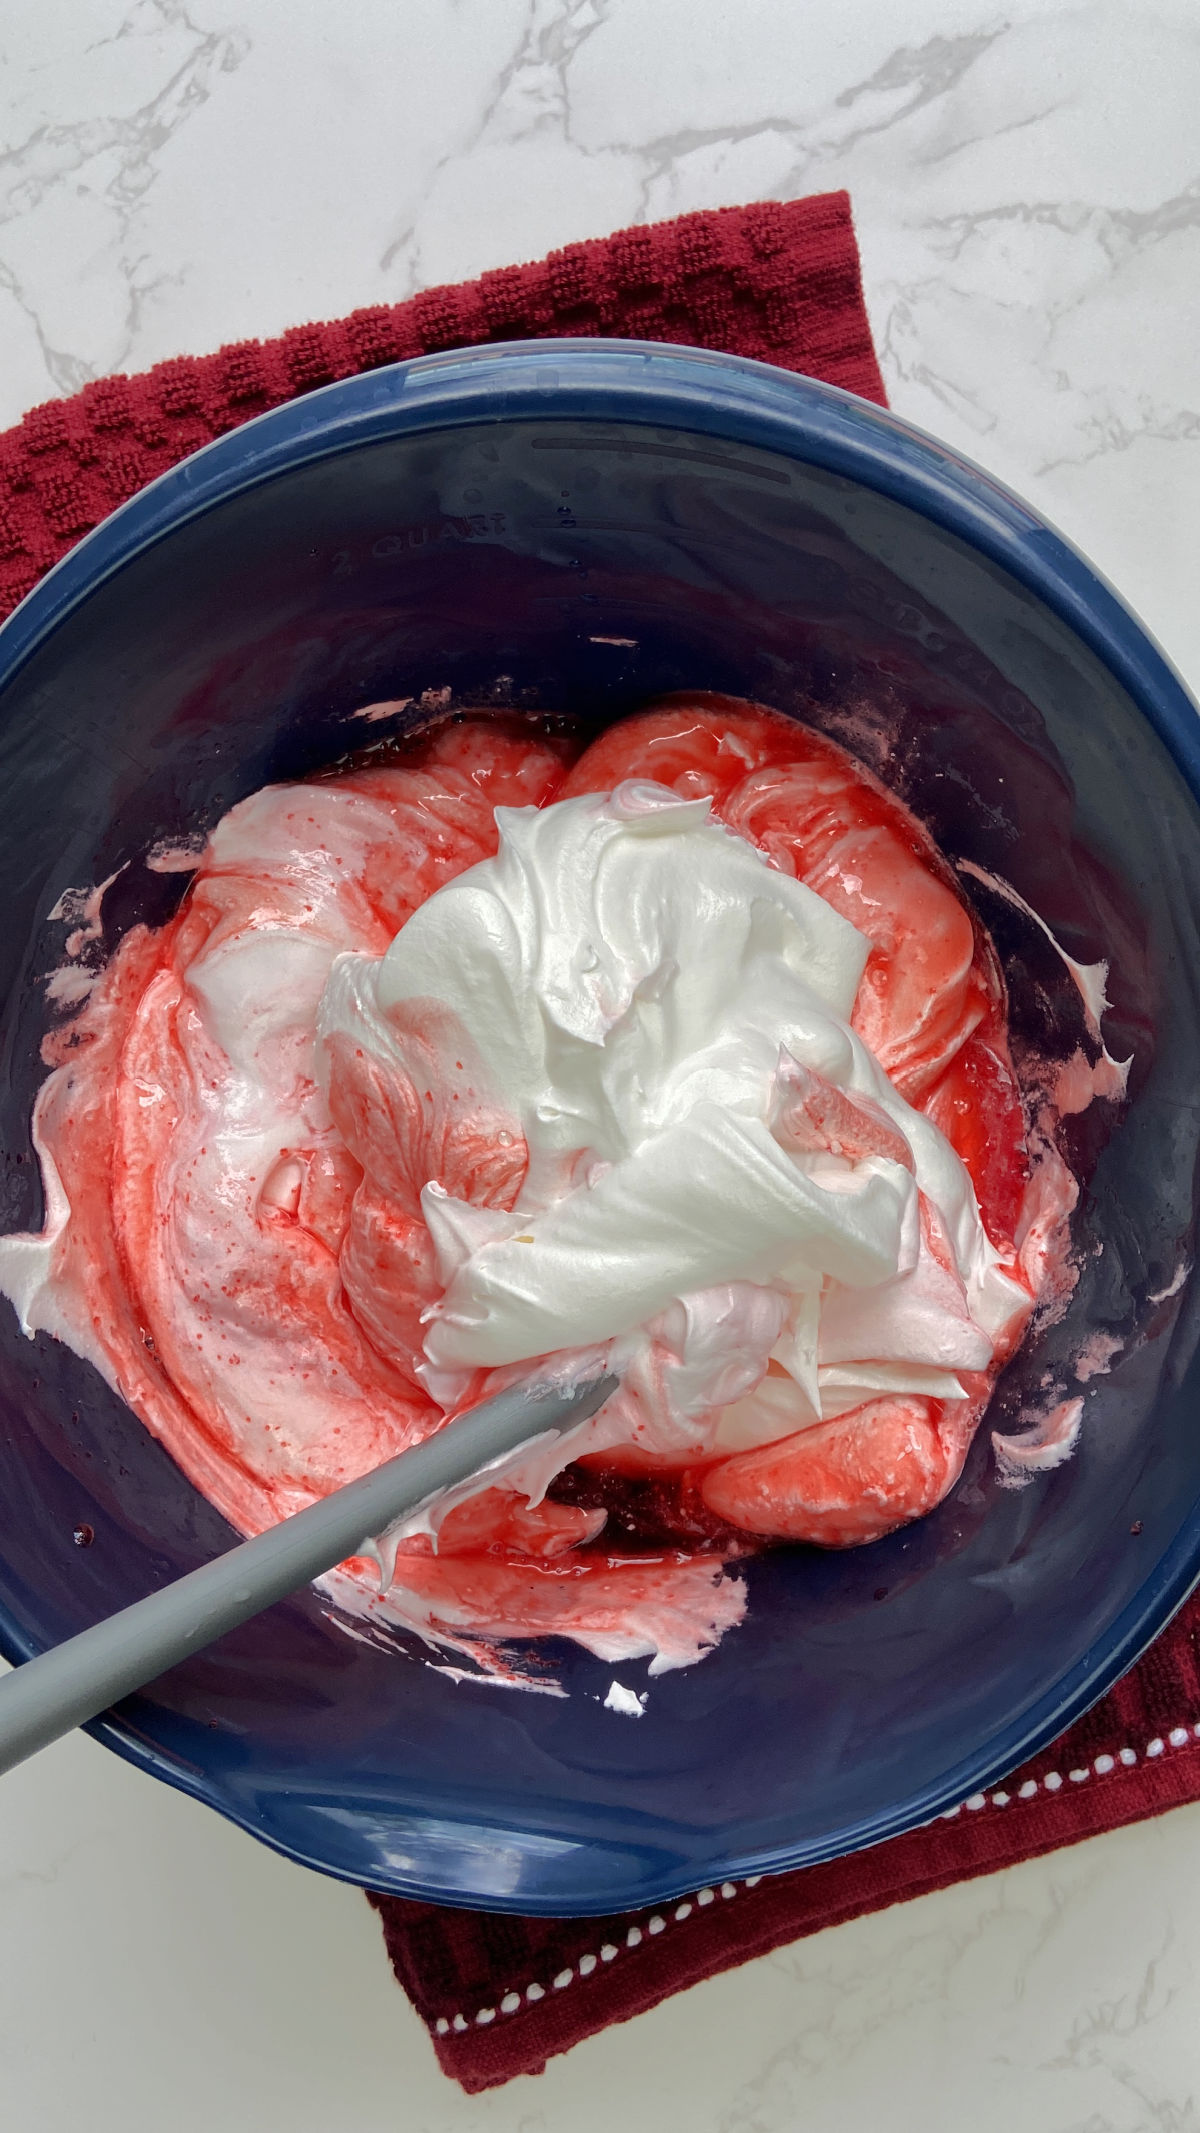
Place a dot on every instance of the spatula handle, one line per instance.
(64, 1687)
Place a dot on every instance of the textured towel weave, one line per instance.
(781, 283)
(776, 281)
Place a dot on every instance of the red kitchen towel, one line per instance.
(781, 282)
(503, 1995)
(776, 281)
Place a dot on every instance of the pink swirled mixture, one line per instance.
(292, 1200)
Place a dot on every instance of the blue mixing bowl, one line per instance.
(581, 526)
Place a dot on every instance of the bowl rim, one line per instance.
(736, 401)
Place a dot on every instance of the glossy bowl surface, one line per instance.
(580, 526)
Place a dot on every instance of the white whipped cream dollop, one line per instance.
(720, 1175)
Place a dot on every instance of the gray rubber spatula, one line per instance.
(50, 1695)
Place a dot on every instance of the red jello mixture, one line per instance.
(267, 1328)
(932, 1008)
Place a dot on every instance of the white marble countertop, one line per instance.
(1026, 182)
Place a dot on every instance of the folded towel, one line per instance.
(501, 1995)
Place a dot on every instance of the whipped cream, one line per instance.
(723, 1192)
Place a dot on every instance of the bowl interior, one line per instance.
(567, 564)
